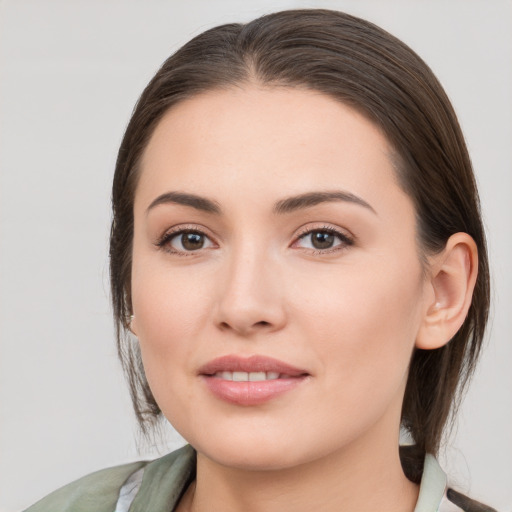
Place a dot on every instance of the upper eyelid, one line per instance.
(183, 228)
(325, 226)
(163, 243)
(346, 238)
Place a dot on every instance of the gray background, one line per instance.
(70, 74)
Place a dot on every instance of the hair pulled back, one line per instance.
(361, 65)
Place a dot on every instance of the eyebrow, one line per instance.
(288, 205)
(199, 203)
(310, 199)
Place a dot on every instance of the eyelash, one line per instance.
(164, 241)
(345, 240)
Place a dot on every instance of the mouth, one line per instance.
(250, 381)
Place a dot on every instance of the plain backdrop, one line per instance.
(71, 72)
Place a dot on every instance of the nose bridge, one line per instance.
(250, 297)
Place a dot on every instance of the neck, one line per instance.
(349, 480)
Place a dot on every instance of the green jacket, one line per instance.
(164, 481)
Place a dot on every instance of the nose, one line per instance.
(251, 298)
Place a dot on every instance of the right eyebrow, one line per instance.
(199, 203)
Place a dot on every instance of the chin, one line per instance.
(247, 452)
(251, 458)
(263, 449)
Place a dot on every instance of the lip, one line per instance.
(248, 393)
(256, 363)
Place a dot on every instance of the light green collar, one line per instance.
(432, 487)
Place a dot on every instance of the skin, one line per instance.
(349, 315)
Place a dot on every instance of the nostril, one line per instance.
(248, 328)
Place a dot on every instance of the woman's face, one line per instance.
(277, 287)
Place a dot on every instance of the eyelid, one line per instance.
(346, 237)
(162, 242)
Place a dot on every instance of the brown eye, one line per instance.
(322, 239)
(188, 241)
(192, 241)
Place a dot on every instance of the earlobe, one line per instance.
(452, 281)
(131, 325)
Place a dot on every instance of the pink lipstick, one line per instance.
(250, 380)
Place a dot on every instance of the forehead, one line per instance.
(272, 141)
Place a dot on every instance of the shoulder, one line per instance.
(139, 485)
(96, 492)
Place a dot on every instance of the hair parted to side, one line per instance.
(361, 65)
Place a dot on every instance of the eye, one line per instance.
(185, 241)
(324, 239)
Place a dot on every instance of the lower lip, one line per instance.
(251, 392)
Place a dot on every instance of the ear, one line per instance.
(452, 280)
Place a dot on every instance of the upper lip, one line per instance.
(255, 363)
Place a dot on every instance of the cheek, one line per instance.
(363, 321)
(167, 299)
(168, 313)
(169, 307)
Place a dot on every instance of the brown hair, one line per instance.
(368, 69)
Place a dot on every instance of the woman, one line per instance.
(297, 249)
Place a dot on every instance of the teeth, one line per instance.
(247, 376)
(255, 376)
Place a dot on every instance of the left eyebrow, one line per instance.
(309, 199)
